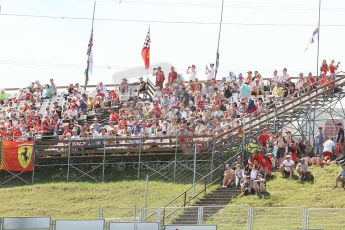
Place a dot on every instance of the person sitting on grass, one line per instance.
(302, 169)
(229, 176)
(340, 178)
(239, 173)
(259, 184)
(247, 187)
(286, 167)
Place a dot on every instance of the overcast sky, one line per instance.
(258, 35)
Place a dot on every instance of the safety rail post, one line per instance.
(250, 218)
(163, 220)
(33, 159)
(103, 167)
(194, 170)
(139, 163)
(69, 158)
(158, 217)
(305, 218)
(205, 184)
(185, 199)
(212, 157)
(200, 215)
(175, 161)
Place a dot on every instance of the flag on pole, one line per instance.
(145, 52)
(313, 38)
(89, 65)
(217, 64)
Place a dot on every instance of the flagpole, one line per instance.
(93, 20)
(318, 42)
(220, 29)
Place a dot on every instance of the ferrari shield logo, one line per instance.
(24, 154)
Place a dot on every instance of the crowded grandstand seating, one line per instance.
(141, 113)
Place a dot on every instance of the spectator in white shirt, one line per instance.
(210, 72)
(286, 167)
(328, 147)
(191, 71)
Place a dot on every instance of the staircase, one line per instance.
(210, 203)
(239, 139)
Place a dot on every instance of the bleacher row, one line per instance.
(46, 223)
(121, 145)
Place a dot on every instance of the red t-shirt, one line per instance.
(263, 138)
(114, 117)
(172, 76)
(159, 77)
(258, 157)
(331, 68)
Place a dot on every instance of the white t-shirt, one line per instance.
(253, 174)
(211, 74)
(287, 165)
(328, 146)
(192, 74)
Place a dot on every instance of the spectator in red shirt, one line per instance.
(263, 138)
(113, 117)
(333, 68)
(159, 77)
(172, 75)
(324, 68)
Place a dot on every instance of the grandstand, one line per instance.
(84, 146)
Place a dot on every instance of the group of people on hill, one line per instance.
(288, 155)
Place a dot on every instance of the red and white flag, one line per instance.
(145, 53)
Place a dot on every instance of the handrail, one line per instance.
(338, 78)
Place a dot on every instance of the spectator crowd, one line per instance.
(175, 107)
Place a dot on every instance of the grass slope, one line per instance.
(82, 200)
(287, 193)
(294, 195)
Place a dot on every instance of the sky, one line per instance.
(258, 35)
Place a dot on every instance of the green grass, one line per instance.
(287, 193)
(282, 207)
(82, 199)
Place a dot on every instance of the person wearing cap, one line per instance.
(229, 176)
(302, 169)
(318, 143)
(341, 177)
(340, 139)
(286, 167)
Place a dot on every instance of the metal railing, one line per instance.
(245, 217)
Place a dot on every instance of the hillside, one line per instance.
(284, 193)
(82, 200)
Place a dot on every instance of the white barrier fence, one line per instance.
(234, 217)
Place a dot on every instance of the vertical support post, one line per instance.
(33, 158)
(139, 163)
(250, 219)
(69, 158)
(212, 158)
(158, 217)
(103, 169)
(305, 218)
(185, 199)
(243, 136)
(274, 121)
(194, 170)
(200, 214)
(147, 191)
(135, 213)
(175, 162)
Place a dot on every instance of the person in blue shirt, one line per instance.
(341, 177)
(245, 90)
